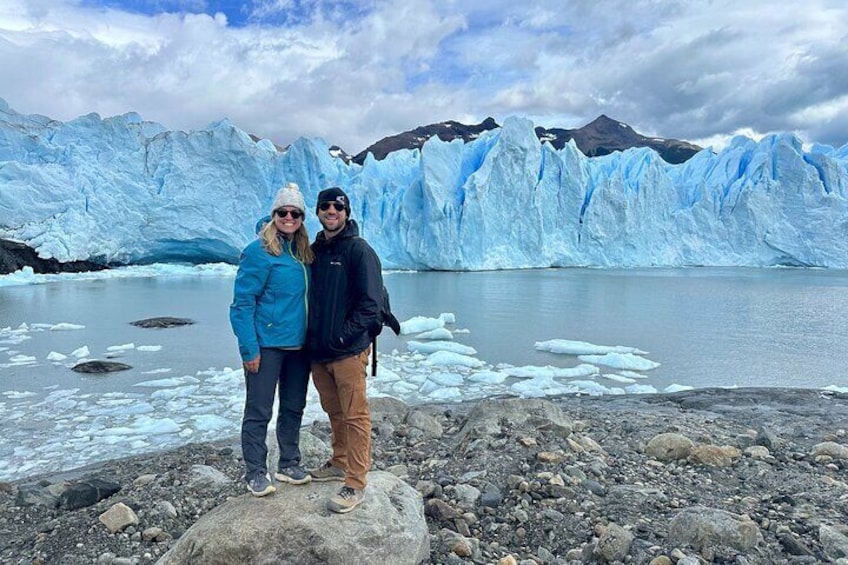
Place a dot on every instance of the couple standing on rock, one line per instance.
(298, 307)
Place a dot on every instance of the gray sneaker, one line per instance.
(327, 472)
(260, 485)
(345, 500)
(293, 474)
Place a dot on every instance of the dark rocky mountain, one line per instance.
(414, 139)
(600, 137)
(605, 135)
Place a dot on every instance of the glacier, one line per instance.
(122, 190)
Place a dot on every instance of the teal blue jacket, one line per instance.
(270, 300)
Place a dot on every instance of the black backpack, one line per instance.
(386, 319)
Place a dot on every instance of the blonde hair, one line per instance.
(271, 242)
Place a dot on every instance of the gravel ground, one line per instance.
(638, 479)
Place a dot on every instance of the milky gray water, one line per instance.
(706, 327)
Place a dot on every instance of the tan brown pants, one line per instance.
(341, 386)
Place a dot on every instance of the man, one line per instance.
(344, 308)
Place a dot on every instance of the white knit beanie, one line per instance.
(289, 195)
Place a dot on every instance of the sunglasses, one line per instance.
(295, 214)
(324, 206)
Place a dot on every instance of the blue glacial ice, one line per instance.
(126, 191)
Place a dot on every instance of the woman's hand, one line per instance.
(252, 366)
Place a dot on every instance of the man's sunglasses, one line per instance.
(295, 214)
(324, 206)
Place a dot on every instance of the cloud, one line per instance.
(353, 72)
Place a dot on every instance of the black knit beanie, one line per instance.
(334, 194)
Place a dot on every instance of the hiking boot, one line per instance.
(260, 485)
(293, 474)
(345, 500)
(327, 472)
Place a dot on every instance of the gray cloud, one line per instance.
(697, 70)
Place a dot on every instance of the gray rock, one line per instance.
(165, 509)
(204, 476)
(709, 528)
(36, 495)
(426, 423)
(834, 540)
(522, 414)
(830, 449)
(87, 492)
(294, 526)
(492, 497)
(387, 409)
(614, 543)
(119, 517)
(669, 447)
(100, 367)
(162, 322)
(467, 494)
(768, 439)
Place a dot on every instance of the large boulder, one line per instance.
(294, 526)
(526, 415)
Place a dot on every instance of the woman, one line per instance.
(268, 316)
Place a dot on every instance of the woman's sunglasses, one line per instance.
(324, 206)
(295, 214)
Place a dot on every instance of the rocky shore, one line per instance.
(723, 476)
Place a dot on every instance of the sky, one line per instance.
(354, 71)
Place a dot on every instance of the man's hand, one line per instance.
(252, 366)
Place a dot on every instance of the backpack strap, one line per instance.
(374, 356)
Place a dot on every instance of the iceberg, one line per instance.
(122, 190)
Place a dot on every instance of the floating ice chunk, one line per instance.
(65, 326)
(448, 358)
(461, 331)
(541, 386)
(448, 317)
(124, 347)
(677, 388)
(179, 393)
(619, 378)
(149, 348)
(621, 361)
(55, 356)
(446, 394)
(403, 388)
(632, 375)
(385, 375)
(437, 334)
(211, 422)
(146, 425)
(591, 388)
(487, 377)
(22, 359)
(420, 324)
(569, 347)
(81, 352)
(156, 372)
(534, 371)
(175, 381)
(16, 394)
(835, 388)
(641, 389)
(12, 338)
(433, 346)
(446, 379)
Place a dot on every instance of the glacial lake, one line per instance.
(705, 327)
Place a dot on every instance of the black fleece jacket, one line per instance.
(345, 295)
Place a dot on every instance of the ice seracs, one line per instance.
(122, 190)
